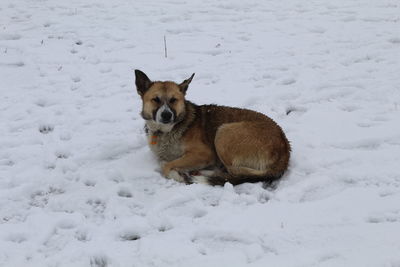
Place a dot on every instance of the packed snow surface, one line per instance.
(79, 186)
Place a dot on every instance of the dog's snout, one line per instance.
(166, 116)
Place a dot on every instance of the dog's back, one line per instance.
(250, 145)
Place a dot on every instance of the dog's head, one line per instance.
(163, 102)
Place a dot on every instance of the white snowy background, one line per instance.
(79, 186)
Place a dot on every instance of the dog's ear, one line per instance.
(185, 84)
(143, 82)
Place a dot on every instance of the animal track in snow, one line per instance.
(386, 193)
(129, 236)
(98, 261)
(76, 79)
(16, 237)
(42, 102)
(394, 40)
(14, 64)
(97, 205)
(82, 236)
(390, 217)
(164, 227)
(46, 128)
(90, 183)
(123, 192)
(115, 176)
(62, 154)
(40, 198)
(6, 162)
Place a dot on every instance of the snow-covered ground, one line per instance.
(79, 186)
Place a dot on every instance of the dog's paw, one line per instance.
(175, 176)
(200, 179)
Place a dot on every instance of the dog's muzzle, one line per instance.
(164, 115)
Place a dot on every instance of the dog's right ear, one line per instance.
(185, 84)
(143, 82)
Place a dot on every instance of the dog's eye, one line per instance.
(156, 100)
(172, 100)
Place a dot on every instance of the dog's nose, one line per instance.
(166, 116)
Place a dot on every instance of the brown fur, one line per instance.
(241, 145)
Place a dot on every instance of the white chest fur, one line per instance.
(166, 146)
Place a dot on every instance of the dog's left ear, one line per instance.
(185, 84)
(143, 82)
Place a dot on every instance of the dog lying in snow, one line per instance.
(208, 143)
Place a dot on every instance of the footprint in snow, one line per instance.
(46, 128)
(394, 40)
(97, 205)
(115, 176)
(41, 103)
(16, 237)
(164, 227)
(391, 217)
(129, 236)
(76, 79)
(62, 154)
(99, 261)
(82, 235)
(40, 198)
(15, 64)
(6, 162)
(90, 183)
(124, 192)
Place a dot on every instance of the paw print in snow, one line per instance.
(46, 128)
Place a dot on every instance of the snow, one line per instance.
(79, 186)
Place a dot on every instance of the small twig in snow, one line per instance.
(165, 46)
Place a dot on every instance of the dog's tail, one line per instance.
(220, 178)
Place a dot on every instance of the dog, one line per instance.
(209, 144)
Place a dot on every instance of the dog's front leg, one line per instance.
(189, 161)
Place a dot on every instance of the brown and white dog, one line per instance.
(209, 144)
